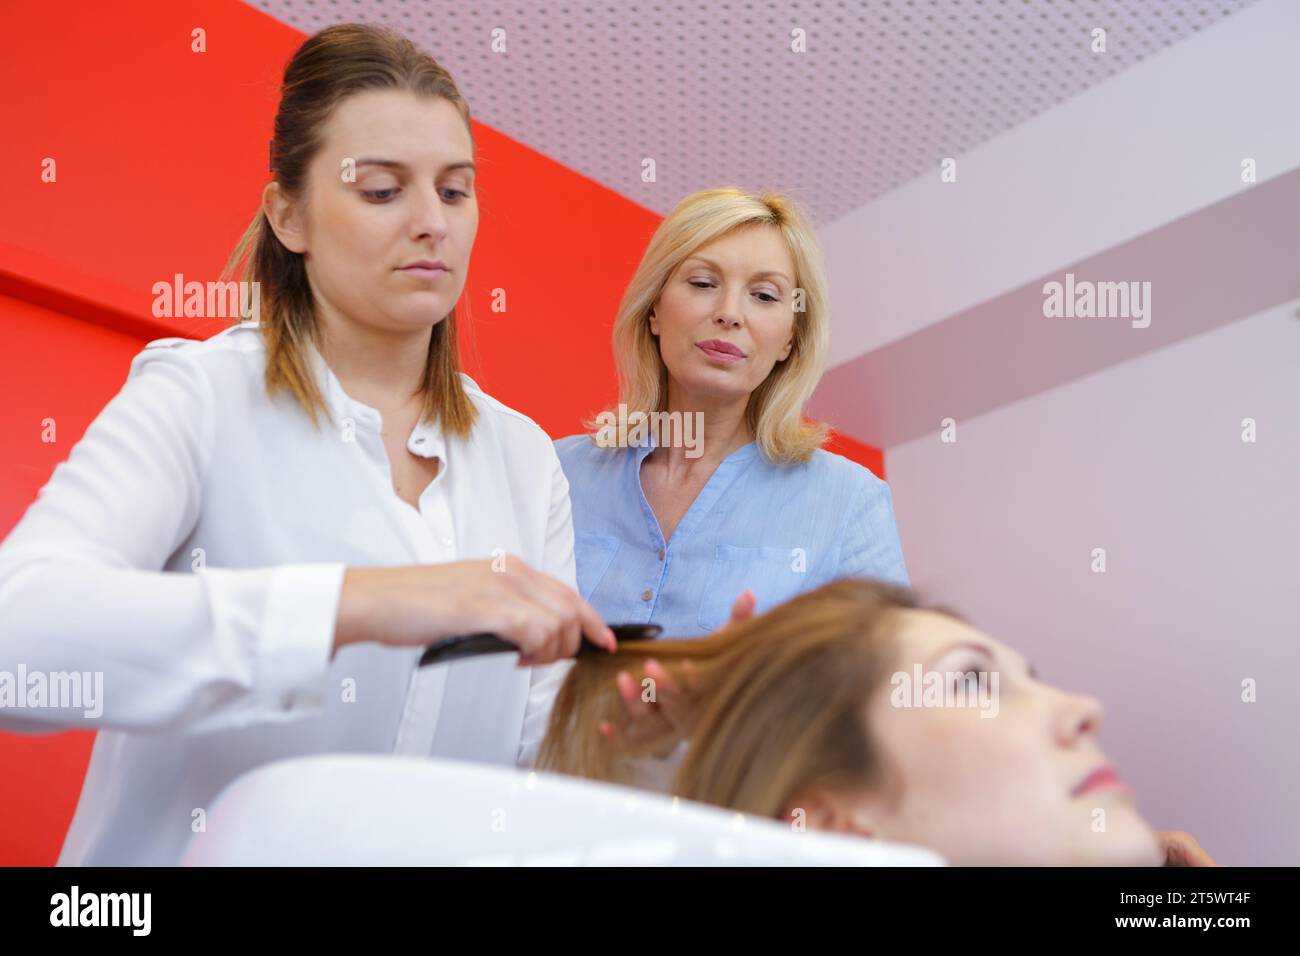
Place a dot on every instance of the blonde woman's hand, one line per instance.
(660, 706)
(417, 604)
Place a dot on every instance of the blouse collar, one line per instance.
(743, 453)
(426, 439)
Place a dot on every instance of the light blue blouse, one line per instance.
(777, 529)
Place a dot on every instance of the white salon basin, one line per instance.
(361, 810)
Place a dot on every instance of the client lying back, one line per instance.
(810, 714)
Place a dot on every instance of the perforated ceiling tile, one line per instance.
(715, 94)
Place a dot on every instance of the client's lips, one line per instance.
(1103, 778)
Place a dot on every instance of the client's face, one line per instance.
(1010, 775)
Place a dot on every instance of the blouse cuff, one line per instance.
(296, 645)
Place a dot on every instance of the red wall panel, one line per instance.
(64, 369)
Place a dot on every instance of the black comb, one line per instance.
(476, 645)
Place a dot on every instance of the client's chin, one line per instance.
(1116, 835)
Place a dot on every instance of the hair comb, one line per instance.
(477, 645)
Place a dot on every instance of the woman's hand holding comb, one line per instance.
(416, 604)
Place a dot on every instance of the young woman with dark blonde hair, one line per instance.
(258, 534)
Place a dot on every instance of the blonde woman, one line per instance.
(720, 339)
(857, 709)
(257, 535)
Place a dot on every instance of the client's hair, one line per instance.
(781, 701)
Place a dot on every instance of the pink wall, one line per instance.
(1145, 460)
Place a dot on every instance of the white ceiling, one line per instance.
(713, 93)
(1125, 165)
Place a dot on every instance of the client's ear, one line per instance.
(822, 809)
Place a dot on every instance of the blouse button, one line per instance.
(645, 595)
(661, 554)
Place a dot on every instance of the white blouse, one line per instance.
(192, 549)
